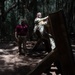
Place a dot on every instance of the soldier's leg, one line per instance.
(37, 44)
(48, 48)
(24, 45)
(47, 44)
(38, 41)
(51, 39)
(19, 45)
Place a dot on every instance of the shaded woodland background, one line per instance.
(12, 11)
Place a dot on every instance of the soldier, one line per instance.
(41, 32)
(39, 23)
(20, 35)
(43, 36)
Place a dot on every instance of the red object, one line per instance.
(21, 29)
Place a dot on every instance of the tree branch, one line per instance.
(13, 6)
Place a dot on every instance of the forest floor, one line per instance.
(11, 63)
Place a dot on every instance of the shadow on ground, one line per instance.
(11, 63)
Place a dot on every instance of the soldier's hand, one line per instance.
(47, 17)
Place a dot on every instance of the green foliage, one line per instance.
(28, 9)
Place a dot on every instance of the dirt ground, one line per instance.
(11, 63)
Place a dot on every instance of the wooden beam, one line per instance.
(62, 42)
(44, 64)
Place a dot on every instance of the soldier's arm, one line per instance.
(42, 19)
(39, 20)
(16, 36)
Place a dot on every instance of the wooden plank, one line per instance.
(44, 64)
(62, 42)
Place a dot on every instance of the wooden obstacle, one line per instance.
(63, 51)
